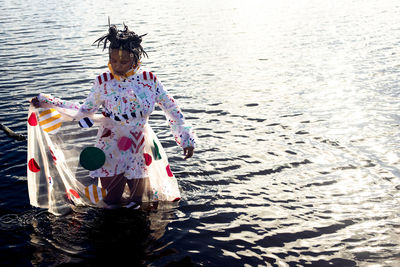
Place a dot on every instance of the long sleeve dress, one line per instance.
(128, 143)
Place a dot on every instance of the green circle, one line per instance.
(92, 158)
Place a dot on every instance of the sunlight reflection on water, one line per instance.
(295, 104)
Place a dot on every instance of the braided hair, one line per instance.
(123, 39)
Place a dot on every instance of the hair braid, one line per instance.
(124, 39)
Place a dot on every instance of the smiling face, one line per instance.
(121, 61)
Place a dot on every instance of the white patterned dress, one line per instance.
(127, 104)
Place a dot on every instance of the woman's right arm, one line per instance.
(47, 100)
(90, 105)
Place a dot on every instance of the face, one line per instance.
(120, 62)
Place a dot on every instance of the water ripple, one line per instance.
(297, 163)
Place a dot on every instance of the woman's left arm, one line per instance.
(183, 133)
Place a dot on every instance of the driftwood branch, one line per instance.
(10, 133)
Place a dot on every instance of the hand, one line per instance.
(35, 102)
(188, 152)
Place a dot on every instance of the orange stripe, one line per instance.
(58, 125)
(96, 197)
(103, 192)
(47, 111)
(87, 192)
(50, 119)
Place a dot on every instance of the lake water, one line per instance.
(296, 108)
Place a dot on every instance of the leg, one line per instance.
(139, 189)
(115, 186)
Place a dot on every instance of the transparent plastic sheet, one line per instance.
(56, 180)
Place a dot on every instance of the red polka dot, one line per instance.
(169, 172)
(147, 159)
(32, 120)
(124, 143)
(74, 193)
(33, 166)
(106, 133)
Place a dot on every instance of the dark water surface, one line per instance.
(296, 106)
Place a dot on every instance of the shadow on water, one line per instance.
(89, 237)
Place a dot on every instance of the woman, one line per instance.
(127, 95)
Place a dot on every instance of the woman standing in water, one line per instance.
(127, 95)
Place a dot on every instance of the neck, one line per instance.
(130, 72)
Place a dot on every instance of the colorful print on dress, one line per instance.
(147, 159)
(169, 172)
(32, 120)
(138, 141)
(73, 193)
(92, 158)
(33, 166)
(86, 122)
(156, 151)
(53, 156)
(124, 143)
(106, 133)
(50, 120)
(95, 193)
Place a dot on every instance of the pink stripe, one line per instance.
(137, 135)
(141, 143)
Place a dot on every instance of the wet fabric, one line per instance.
(71, 148)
